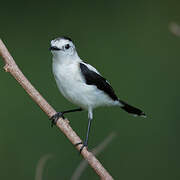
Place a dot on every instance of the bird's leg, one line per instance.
(85, 144)
(55, 117)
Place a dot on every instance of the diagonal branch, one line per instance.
(11, 67)
(97, 150)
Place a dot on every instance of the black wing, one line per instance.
(92, 78)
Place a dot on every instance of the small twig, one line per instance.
(174, 28)
(97, 150)
(40, 166)
(11, 67)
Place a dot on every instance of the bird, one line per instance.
(82, 84)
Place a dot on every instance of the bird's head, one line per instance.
(63, 47)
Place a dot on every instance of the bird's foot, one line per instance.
(85, 144)
(55, 118)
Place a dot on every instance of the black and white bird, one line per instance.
(82, 84)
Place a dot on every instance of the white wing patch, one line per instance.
(91, 68)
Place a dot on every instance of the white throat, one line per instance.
(63, 59)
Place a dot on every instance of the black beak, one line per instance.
(54, 48)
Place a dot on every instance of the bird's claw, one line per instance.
(83, 145)
(55, 118)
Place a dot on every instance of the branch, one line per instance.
(97, 150)
(11, 67)
(40, 166)
(174, 28)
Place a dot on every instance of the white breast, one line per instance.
(73, 87)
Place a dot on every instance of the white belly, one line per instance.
(72, 86)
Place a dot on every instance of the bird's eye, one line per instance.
(67, 46)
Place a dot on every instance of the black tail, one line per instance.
(131, 109)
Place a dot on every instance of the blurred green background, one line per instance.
(131, 44)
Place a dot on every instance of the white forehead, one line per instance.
(59, 42)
